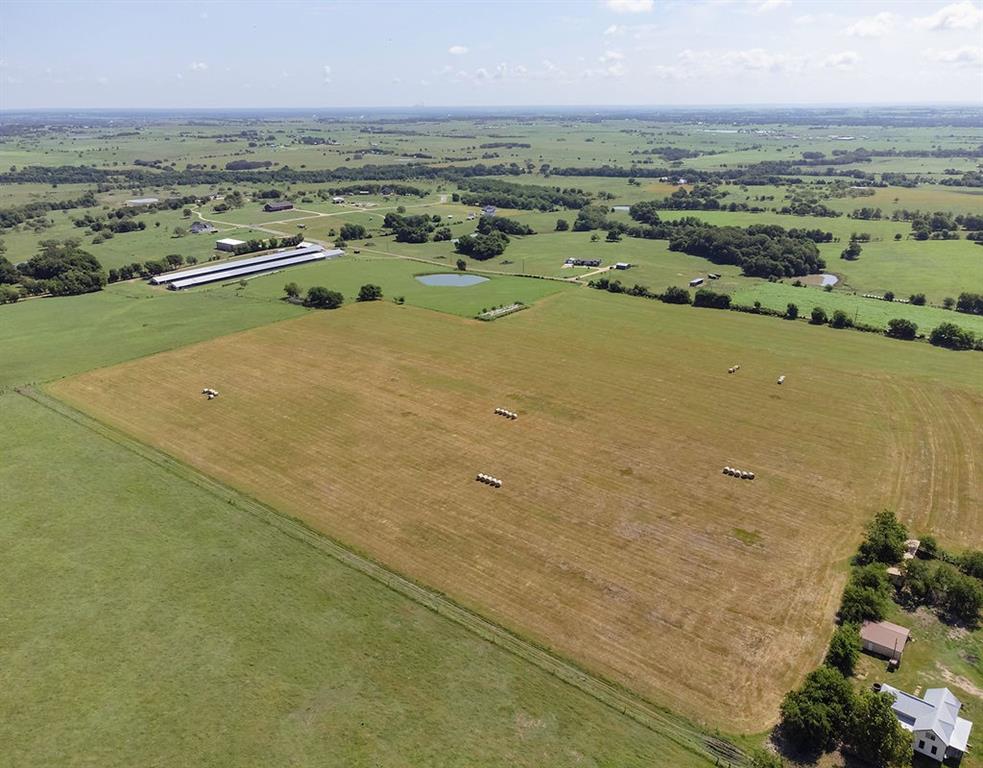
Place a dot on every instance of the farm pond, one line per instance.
(451, 280)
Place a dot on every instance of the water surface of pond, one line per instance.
(452, 280)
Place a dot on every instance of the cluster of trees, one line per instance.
(951, 336)
(11, 217)
(970, 303)
(61, 268)
(352, 232)
(251, 246)
(759, 250)
(373, 189)
(318, 297)
(707, 298)
(410, 229)
(504, 224)
(369, 292)
(528, 197)
(483, 246)
(150, 268)
(247, 165)
(942, 586)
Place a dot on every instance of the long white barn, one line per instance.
(225, 266)
(232, 272)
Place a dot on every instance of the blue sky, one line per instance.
(617, 52)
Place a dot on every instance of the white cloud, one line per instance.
(457, 50)
(966, 56)
(197, 66)
(327, 73)
(803, 20)
(615, 29)
(764, 6)
(629, 6)
(102, 80)
(715, 63)
(397, 80)
(758, 59)
(842, 60)
(964, 15)
(609, 56)
(873, 26)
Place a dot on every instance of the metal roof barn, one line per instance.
(225, 266)
(252, 269)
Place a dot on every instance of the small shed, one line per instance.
(622, 265)
(884, 639)
(695, 282)
(278, 206)
(227, 244)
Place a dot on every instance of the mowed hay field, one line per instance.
(615, 540)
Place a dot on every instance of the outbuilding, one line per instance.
(884, 639)
(228, 244)
(695, 282)
(278, 206)
(137, 201)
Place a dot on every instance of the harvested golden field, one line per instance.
(615, 539)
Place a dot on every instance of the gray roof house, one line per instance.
(937, 730)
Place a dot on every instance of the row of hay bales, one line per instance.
(488, 480)
(742, 474)
(507, 414)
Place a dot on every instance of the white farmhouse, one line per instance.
(937, 730)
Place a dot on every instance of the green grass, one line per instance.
(396, 278)
(149, 622)
(43, 339)
(861, 310)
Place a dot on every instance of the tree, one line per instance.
(900, 328)
(614, 236)
(320, 297)
(888, 295)
(964, 599)
(814, 716)
(818, 316)
(885, 540)
(948, 302)
(874, 733)
(483, 246)
(852, 251)
(791, 311)
(970, 563)
(442, 234)
(562, 225)
(369, 292)
(675, 295)
(292, 290)
(844, 649)
(918, 299)
(461, 265)
(928, 548)
(951, 336)
(352, 232)
(860, 604)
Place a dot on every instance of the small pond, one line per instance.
(452, 280)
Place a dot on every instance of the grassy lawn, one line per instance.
(870, 311)
(150, 622)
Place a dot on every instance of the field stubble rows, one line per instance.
(615, 540)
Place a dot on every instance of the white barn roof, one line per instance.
(252, 269)
(225, 266)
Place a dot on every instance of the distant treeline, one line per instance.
(505, 145)
(11, 217)
(761, 250)
(527, 197)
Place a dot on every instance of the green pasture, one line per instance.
(148, 621)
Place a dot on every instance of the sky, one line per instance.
(283, 53)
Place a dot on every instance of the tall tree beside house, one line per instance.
(815, 715)
(874, 733)
(844, 649)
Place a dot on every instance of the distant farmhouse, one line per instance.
(202, 226)
(489, 210)
(583, 262)
(937, 730)
(280, 206)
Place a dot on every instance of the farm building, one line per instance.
(227, 244)
(622, 265)
(236, 267)
(884, 639)
(142, 201)
(695, 282)
(278, 206)
(235, 271)
(201, 226)
(337, 199)
(933, 721)
(489, 210)
(583, 262)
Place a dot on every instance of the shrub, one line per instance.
(948, 302)
(888, 295)
(971, 563)
(461, 265)
(320, 297)
(818, 316)
(352, 232)
(918, 299)
(840, 319)
(9, 294)
(292, 290)
(900, 328)
(951, 336)
(964, 599)
(675, 295)
(614, 236)
(707, 298)
(928, 548)
(562, 225)
(860, 604)
(369, 292)
(791, 311)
